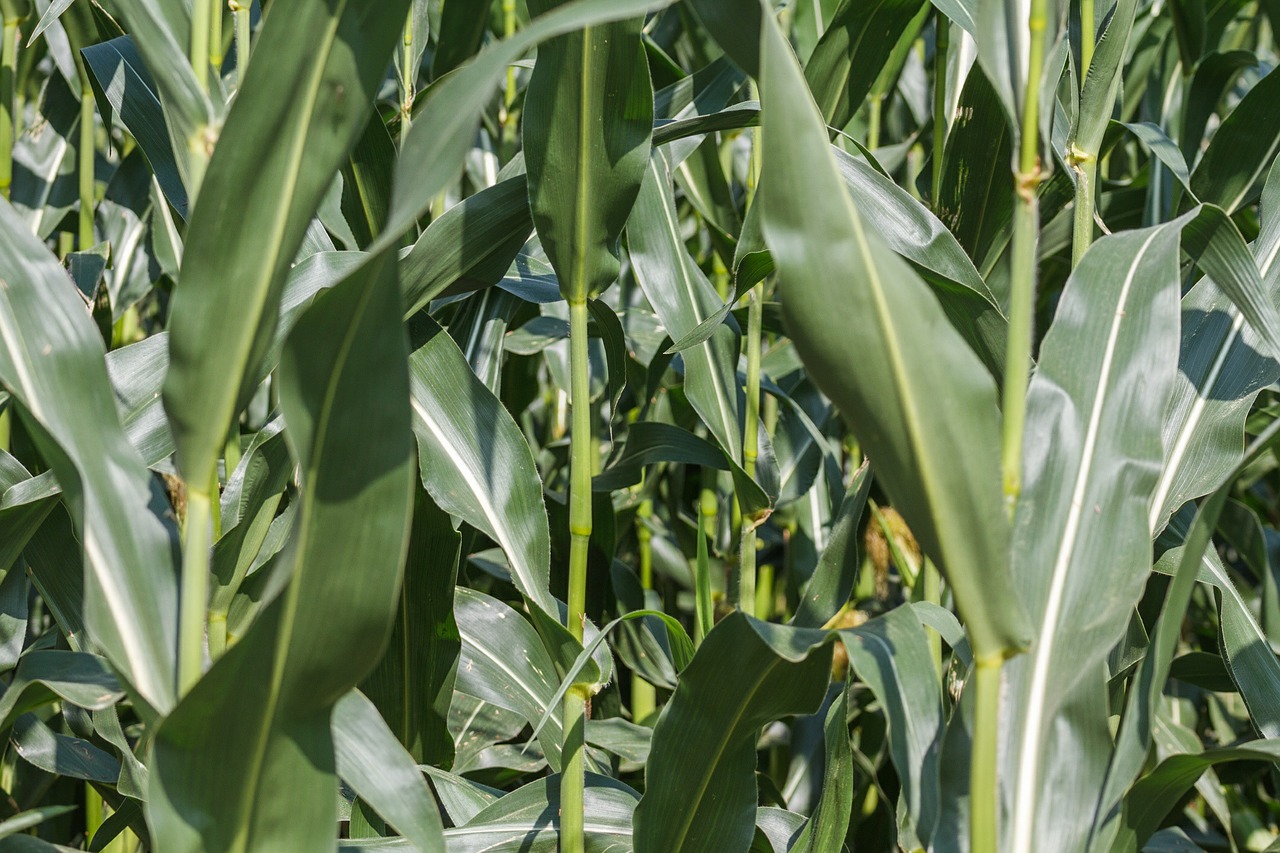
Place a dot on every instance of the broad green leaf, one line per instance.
(1222, 366)
(62, 755)
(413, 683)
(476, 464)
(927, 417)
(262, 712)
(829, 823)
(383, 774)
(118, 68)
(853, 50)
(891, 655)
(504, 661)
(837, 571)
(44, 676)
(460, 35)
(1157, 794)
(700, 788)
(30, 818)
(161, 30)
(1213, 76)
(472, 245)
(527, 819)
(443, 131)
(1249, 137)
(57, 374)
(275, 161)
(683, 297)
(1137, 727)
(1105, 375)
(588, 123)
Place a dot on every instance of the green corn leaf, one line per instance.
(325, 630)
(588, 123)
(851, 53)
(57, 374)
(1249, 135)
(268, 175)
(927, 417)
(383, 774)
(477, 465)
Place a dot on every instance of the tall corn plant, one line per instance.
(629, 424)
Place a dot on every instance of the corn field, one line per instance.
(607, 425)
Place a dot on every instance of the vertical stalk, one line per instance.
(1085, 165)
(408, 78)
(983, 782)
(196, 539)
(1026, 225)
(704, 610)
(199, 46)
(8, 78)
(933, 595)
(509, 91)
(241, 10)
(942, 43)
(85, 158)
(874, 103)
(750, 449)
(1088, 36)
(573, 777)
(643, 697)
(215, 37)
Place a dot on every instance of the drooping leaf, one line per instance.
(911, 407)
(56, 372)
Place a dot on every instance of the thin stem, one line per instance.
(85, 166)
(874, 102)
(573, 779)
(5, 428)
(1088, 37)
(1085, 165)
(644, 699)
(933, 595)
(750, 449)
(215, 36)
(704, 611)
(942, 44)
(241, 9)
(984, 817)
(1026, 226)
(8, 76)
(196, 538)
(408, 79)
(200, 15)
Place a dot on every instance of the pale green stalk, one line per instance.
(196, 539)
(1088, 35)
(199, 46)
(408, 79)
(764, 592)
(573, 778)
(1026, 224)
(85, 158)
(241, 9)
(983, 790)
(941, 45)
(933, 595)
(509, 90)
(8, 77)
(750, 450)
(704, 610)
(1085, 165)
(644, 698)
(215, 37)
(874, 103)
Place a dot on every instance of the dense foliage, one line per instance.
(715, 425)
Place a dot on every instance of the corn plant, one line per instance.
(566, 425)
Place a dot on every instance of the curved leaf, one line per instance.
(927, 417)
